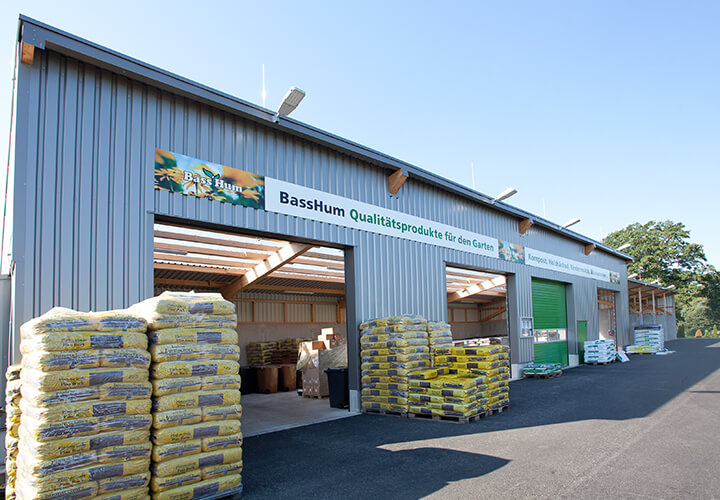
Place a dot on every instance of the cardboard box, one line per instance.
(314, 382)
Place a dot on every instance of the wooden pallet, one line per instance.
(541, 375)
(448, 418)
(391, 413)
(459, 420)
(312, 396)
(598, 363)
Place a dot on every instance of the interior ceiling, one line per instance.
(482, 287)
(205, 259)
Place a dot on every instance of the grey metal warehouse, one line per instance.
(110, 207)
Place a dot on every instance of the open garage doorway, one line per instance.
(477, 306)
(290, 304)
(607, 317)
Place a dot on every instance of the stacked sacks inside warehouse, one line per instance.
(599, 351)
(85, 407)
(12, 426)
(260, 353)
(439, 337)
(196, 434)
(391, 349)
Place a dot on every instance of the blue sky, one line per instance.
(604, 110)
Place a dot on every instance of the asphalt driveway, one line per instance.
(647, 428)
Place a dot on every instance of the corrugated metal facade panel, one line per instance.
(325, 313)
(297, 313)
(85, 203)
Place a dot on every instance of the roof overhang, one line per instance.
(44, 36)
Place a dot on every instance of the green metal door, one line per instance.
(582, 337)
(550, 321)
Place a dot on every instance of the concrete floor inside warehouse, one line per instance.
(263, 413)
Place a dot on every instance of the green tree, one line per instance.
(663, 251)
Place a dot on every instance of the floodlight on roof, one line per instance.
(505, 194)
(571, 222)
(624, 247)
(290, 102)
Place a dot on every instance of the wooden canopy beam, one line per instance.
(475, 289)
(28, 53)
(273, 262)
(525, 225)
(589, 248)
(198, 269)
(395, 181)
(281, 288)
(190, 283)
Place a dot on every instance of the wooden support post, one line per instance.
(525, 225)
(589, 248)
(395, 181)
(27, 55)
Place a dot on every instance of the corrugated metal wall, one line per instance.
(85, 203)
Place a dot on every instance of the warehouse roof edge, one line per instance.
(41, 35)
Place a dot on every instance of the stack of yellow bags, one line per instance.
(196, 435)
(391, 349)
(85, 407)
(439, 337)
(439, 392)
(260, 353)
(490, 362)
(12, 424)
(292, 343)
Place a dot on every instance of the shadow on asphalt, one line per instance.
(343, 458)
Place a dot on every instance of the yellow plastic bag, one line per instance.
(163, 452)
(185, 303)
(40, 466)
(197, 399)
(91, 358)
(13, 372)
(105, 392)
(386, 386)
(82, 491)
(227, 412)
(140, 493)
(125, 482)
(72, 341)
(189, 352)
(50, 431)
(158, 321)
(171, 418)
(197, 431)
(163, 387)
(175, 369)
(158, 484)
(222, 470)
(367, 405)
(70, 477)
(195, 462)
(60, 319)
(84, 444)
(203, 488)
(73, 379)
(86, 409)
(406, 319)
(194, 336)
(222, 442)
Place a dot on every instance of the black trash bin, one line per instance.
(338, 387)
